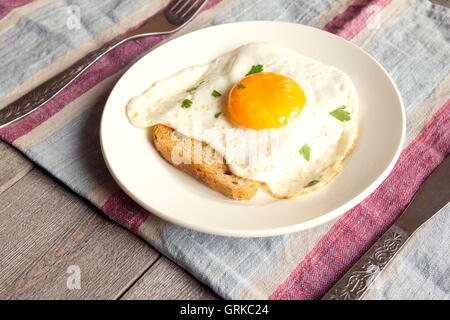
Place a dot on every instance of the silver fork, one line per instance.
(177, 15)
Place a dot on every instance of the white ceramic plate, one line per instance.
(176, 197)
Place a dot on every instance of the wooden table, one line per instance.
(45, 228)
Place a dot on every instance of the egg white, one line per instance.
(270, 156)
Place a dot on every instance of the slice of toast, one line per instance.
(179, 151)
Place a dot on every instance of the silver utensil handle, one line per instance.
(49, 89)
(354, 284)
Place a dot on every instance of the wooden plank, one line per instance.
(45, 228)
(165, 280)
(13, 166)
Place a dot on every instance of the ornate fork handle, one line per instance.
(50, 88)
(358, 279)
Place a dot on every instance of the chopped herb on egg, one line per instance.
(217, 115)
(241, 86)
(186, 103)
(216, 93)
(196, 87)
(305, 151)
(312, 183)
(255, 69)
(341, 114)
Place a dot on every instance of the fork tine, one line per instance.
(182, 12)
(194, 5)
(175, 5)
(179, 10)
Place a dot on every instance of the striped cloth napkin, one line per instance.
(409, 38)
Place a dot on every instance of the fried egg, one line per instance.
(276, 116)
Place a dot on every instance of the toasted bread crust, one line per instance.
(179, 151)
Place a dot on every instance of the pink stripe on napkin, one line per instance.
(6, 6)
(355, 18)
(360, 227)
(125, 211)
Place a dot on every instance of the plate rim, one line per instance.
(277, 230)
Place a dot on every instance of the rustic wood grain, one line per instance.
(165, 280)
(13, 166)
(45, 228)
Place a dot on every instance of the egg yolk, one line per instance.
(265, 100)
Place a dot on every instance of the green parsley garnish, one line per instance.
(186, 103)
(241, 86)
(216, 93)
(196, 87)
(255, 69)
(340, 114)
(312, 183)
(217, 115)
(305, 151)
